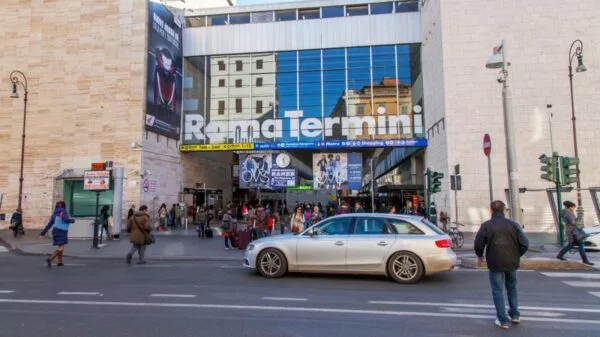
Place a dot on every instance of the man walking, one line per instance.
(505, 243)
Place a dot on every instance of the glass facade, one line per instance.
(344, 94)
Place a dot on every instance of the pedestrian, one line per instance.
(297, 220)
(139, 228)
(16, 223)
(504, 243)
(573, 234)
(226, 226)
(201, 223)
(392, 210)
(104, 215)
(162, 217)
(358, 208)
(60, 220)
(433, 214)
(260, 224)
(131, 211)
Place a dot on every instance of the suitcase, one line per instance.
(209, 233)
(244, 238)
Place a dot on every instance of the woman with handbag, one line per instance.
(60, 220)
(574, 234)
(297, 221)
(139, 229)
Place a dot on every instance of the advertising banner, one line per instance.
(164, 71)
(96, 180)
(337, 171)
(266, 170)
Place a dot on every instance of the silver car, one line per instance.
(403, 247)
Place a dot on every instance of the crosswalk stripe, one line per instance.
(594, 293)
(591, 276)
(582, 284)
(3, 249)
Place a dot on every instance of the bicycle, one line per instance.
(457, 237)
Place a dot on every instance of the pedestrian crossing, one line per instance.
(3, 249)
(589, 281)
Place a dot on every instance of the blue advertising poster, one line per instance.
(164, 71)
(266, 170)
(354, 171)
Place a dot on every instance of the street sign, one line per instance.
(96, 180)
(487, 145)
(98, 166)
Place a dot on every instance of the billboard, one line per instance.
(337, 171)
(164, 71)
(266, 170)
(96, 180)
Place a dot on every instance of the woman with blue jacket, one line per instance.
(60, 220)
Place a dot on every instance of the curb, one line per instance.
(532, 264)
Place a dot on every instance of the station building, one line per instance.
(402, 84)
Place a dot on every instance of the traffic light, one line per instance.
(549, 167)
(568, 170)
(436, 182)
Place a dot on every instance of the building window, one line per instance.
(221, 107)
(238, 83)
(238, 105)
(360, 110)
(262, 17)
(82, 203)
(259, 107)
(259, 82)
(382, 8)
(285, 15)
(259, 64)
(239, 66)
(222, 83)
(357, 10)
(217, 20)
(235, 19)
(405, 6)
(333, 12)
(405, 109)
(309, 13)
(221, 65)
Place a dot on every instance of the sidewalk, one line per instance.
(171, 246)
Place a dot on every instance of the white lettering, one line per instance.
(312, 127)
(217, 131)
(248, 129)
(193, 127)
(271, 128)
(399, 124)
(355, 124)
(294, 117)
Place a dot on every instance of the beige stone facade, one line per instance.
(85, 64)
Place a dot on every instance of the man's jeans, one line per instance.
(498, 281)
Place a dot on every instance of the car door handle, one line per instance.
(339, 243)
(382, 243)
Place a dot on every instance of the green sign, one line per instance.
(300, 188)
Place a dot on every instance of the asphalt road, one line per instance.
(107, 298)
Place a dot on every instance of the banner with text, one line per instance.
(337, 171)
(266, 170)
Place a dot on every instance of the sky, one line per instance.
(253, 2)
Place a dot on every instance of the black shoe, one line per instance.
(60, 264)
(588, 263)
(129, 257)
(141, 262)
(562, 258)
(49, 263)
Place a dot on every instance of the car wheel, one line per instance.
(271, 263)
(405, 268)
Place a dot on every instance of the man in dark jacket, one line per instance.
(505, 243)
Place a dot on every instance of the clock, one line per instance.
(283, 160)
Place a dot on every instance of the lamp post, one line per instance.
(578, 52)
(19, 79)
(498, 61)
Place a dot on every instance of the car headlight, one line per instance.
(250, 247)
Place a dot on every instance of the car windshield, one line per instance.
(432, 226)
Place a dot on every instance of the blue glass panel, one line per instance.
(382, 8)
(235, 19)
(332, 12)
(407, 6)
(217, 20)
(357, 10)
(285, 15)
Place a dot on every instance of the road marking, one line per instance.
(577, 275)
(68, 264)
(594, 293)
(291, 309)
(468, 305)
(3, 249)
(233, 267)
(461, 269)
(153, 265)
(6, 291)
(174, 295)
(285, 299)
(527, 313)
(582, 284)
(79, 293)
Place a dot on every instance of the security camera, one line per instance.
(500, 79)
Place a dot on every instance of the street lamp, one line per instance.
(578, 52)
(19, 79)
(498, 61)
